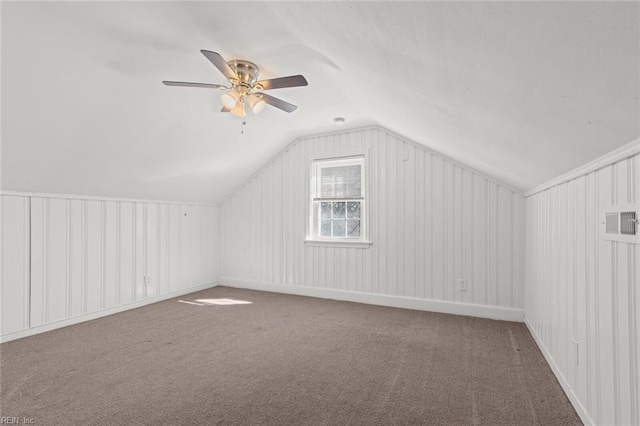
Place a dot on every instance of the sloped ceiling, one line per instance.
(520, 91)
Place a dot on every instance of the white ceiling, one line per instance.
(520, 91)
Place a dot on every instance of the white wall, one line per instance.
(580, 286)
(432, 222)
(69, 259)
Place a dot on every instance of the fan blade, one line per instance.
(278, 103)
(282, 82)
(183, 84)
(221, 64)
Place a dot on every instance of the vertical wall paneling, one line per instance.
(15, 264)
(634, 300)
(118, 248)
(196, 250)
(151, 250)
(582, 291)
(126, 254)
(75, 229)
(438, 221)
(432, 222)
(68, 257)
(163, 252)
(56, 288)
(493, 218)
(110, 287)
(95, 260)
(480, 239)
(174, 245)
(185, 246)
(38, 259)
(140, 244)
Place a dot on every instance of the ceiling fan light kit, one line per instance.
(245, 87)
(238, 110)
(256, 103)
(230, 99)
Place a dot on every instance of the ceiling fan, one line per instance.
(245, 87)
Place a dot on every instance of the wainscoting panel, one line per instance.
(432, 223)
(15, 264)
(126, 253)
(66, 258)
(582, 294)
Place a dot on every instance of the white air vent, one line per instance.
(628, 222)
(620, 223)
(611, 226)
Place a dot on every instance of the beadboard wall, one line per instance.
(582, 296)
(67, 260)
(432, 223)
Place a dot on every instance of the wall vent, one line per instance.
(620, 223)
(611, 226)
(628, 223)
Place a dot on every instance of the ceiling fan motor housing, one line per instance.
(246, 71)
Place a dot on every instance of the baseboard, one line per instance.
(568, 390)
(102, 313)
(455, 308)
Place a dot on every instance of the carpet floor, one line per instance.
(281, 360)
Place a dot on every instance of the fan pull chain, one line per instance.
(244, 123)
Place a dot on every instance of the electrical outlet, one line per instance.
(462, 285)
(147, 280)
(575, 348)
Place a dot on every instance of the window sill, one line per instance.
(336, 243)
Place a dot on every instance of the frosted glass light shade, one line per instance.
(238, 110)
(255, 103)
(230, 99)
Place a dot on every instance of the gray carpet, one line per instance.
(283, 360)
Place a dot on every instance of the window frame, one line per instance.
(316, 164)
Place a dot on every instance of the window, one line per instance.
(338, 200)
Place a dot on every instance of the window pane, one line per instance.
(353, 210)
(339, 228)
(325, 228)
(340, 181)
(327, 190)
(354, 181)
(326, 175)
(340, 190)
(354, 191)
(339, 209)
(353, 228)
(325, 210)
(327, 180)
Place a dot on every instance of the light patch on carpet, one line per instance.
(223, 302)
(191, 303)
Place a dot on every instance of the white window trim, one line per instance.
(337, 243)
(363, 241)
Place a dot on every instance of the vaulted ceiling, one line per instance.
(520, 91)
